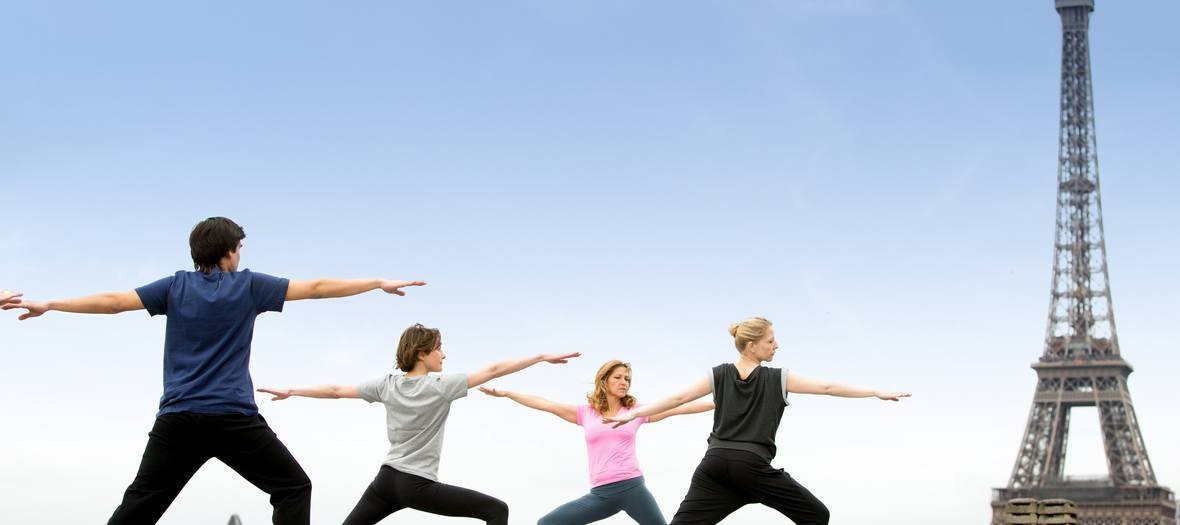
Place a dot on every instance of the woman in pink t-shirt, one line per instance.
(616, 484)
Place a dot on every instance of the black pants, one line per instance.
(180, 443)
(726, 480)
(393, 490)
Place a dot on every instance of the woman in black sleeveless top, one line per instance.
(749, 399)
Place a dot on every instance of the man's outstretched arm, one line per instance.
(331, 288)
(103, 303)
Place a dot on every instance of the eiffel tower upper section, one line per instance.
(1081, 316)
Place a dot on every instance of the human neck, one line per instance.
(613, 404)
(745, 362)
(418, 370)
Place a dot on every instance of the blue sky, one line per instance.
(618, 178)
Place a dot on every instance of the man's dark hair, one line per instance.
(212, 239)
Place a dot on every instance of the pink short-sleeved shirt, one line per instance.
(611, 450)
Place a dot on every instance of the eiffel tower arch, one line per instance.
(1082, 365)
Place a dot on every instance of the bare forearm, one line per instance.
(687, 408)
(696, 391)
(838, 390)
(504, 368)
(663, 405)
(510, 366)
(321, 392)
(695, 407)
(333, 288)
(103, 303)
(534, 402)
(802, 385)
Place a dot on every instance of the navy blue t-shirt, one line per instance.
(207, 341)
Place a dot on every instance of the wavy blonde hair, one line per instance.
(748, 331)
(597, 397)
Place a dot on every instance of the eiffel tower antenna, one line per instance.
(1082, 365)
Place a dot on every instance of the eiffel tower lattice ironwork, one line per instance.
(1082, 365)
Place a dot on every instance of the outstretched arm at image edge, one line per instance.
(102, 303)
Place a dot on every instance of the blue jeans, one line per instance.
(604, 501)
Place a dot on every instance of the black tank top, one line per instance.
(747, 411)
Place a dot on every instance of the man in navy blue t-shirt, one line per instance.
(207, 409)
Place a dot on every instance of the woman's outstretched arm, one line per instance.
(695, 391)
(561, 410)
(797, 384)
(318, 392)
(695, 407)
(510, 366)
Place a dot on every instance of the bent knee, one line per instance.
(497, 510)
(301, 484)
(295, 487)
(822, 515)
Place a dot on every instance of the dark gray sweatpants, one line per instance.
(726, 480)
(630, 496)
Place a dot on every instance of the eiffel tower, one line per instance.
(1082, 365)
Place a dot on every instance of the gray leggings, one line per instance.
(604, 501)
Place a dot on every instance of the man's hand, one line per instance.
(9, 296)
(34, 309)
(394, 287)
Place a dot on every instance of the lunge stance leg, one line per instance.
(248, 445)
(173, 454)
